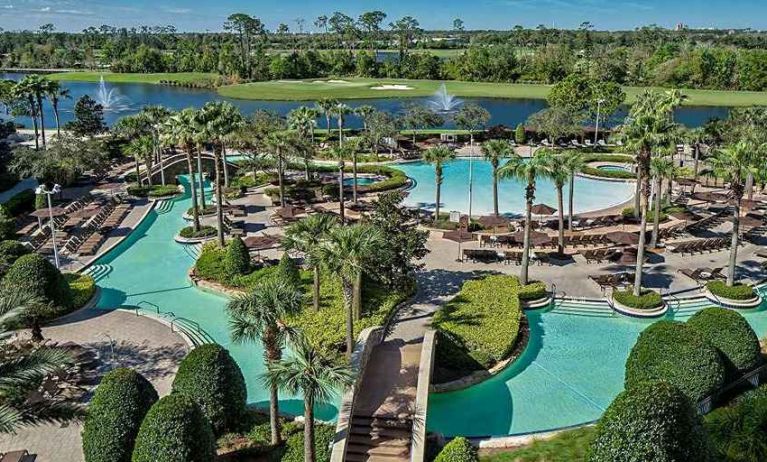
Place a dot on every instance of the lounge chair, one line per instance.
(17, 456)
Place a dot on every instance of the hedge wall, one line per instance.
(729, 332)
(677, 353)
(120, 403)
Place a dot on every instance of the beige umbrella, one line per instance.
(460, 237)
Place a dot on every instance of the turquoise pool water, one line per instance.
(361, 181)
(613, 168)
(572, 369)
(590, 194)
(148, 267)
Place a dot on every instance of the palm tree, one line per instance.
(341, 154)
(22, 371)
(660, 168)
(37, 85)
(527, 171)
(303, 120)
(574, 163)
(345, 253)
(364, 112)
(279, 145)
(340, 111)
(132, 127)
(734, 163)
(306, 236)
(494, 151)
(142, 149)
(155, 117)
(258, 316)
(315, 377)
(557, 170)
(438, 156)
(55, 94)
(325, 106)
(179, 130)
(23, 92)
(697, 137)
(354, 148)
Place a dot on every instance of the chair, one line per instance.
(18, 456)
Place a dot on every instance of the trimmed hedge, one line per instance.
(677, 353)
(35, 274)
(21, 202)
(188, 232)
(208, 210)
(648, 299)
(10, 251)
(736, 292)
(484, 318)
(157, 190)
(210, 376)
(653, 421)
(119, 404)
(614, 174)
(175, 430)
(729, 332)
(458, 450)
(81, 288)
(237, 258)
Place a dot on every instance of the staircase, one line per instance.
(164, 207)
(98, 272)
(378, 439)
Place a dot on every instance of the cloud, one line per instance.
(7, 7)
(45, 9)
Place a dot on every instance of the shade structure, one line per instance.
(45, 213)
(262, 242)
(459, 236)
(536, 237)
(543, 209)
(493, 221)
(623, 238)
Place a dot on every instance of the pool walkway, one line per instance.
(384, 409)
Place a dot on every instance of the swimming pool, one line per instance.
(569, 373)
(149, 269)
(361, 181)
(590, 194)
(614, 168)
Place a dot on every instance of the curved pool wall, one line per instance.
(569, 373)
(508, 112)
(590, 194)
(150, 270)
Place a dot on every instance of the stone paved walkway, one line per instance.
(122, 339)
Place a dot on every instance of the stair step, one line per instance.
(374, 458)
(367, 440)
(381, 422)
(379, 432)
(396, 451)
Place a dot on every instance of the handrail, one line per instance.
(705, 405)
(157, 308)
(194, 324)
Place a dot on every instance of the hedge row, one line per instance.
(82, 287)
(736, 292)
(731, 335)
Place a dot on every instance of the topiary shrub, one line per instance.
(288, 270)
(35, 274)
(120, 403)
(729, 332)
(734, 292)
(458, 450)
(237, 259)
(675, 352)
(520, 136)
(175, 430)
(213, 379)
(650, 421)
(10, 251)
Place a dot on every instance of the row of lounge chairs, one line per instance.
(597, 222)
(699, 246)
(613, 280)
(703, 274)
(600, 255)
(507, 257)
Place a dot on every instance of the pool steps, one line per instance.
(98, 272)
(165, 206)
(679, 308)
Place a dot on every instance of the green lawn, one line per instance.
(360, 88)
(132, 77)
(568, 446)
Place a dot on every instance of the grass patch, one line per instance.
(154, 79)
(648, 299)
(736, 292)
(482, 321)
(81, 288)
(568, 446)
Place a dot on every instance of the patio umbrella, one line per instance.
(263, 242)
(492, 221)
(536, 238)
(623, 238)
(460, 237)
(543, 209)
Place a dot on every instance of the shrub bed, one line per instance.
(483, 319)
(188, 232)
(209, 375)
(648, 299)
(651, 421)
(729, 332)
(21, 202)
(81, 288)
(120, 403)
(533, 291)
(614, 174)
(157, 190)
(675, 352)
(736, 292)
(208, 210)
(10, 251)
(175, 430)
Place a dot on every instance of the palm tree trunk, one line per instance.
(348, 294)
(571, 194)
(42, 119)
(139, 181)
(656, 217)
(226, 167)
(309, 452)
(149, 165)
(162, 163)
(750, 186)
(272, 354)
(354, 174)
(341, 212)
(56, 115)
(560, 204)
(734, 243)
(219, 197)
(316, 288)
(280, 179)
(495, 190)
(638, 193)
(439, 193)
(340, 132)
(195, 209)
(526, 247)
(696, 167)
(640, 250)
(33, 110)
(200, 178)
(357, 296)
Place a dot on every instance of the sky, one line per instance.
(200, 15)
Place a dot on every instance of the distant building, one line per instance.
(680, 27)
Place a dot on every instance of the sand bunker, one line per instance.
(391, 87)
(332, 81)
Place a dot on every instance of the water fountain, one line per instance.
(111, 99)
(444, 102)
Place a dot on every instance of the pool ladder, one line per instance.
(191, 329)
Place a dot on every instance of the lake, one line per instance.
(509, 112)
